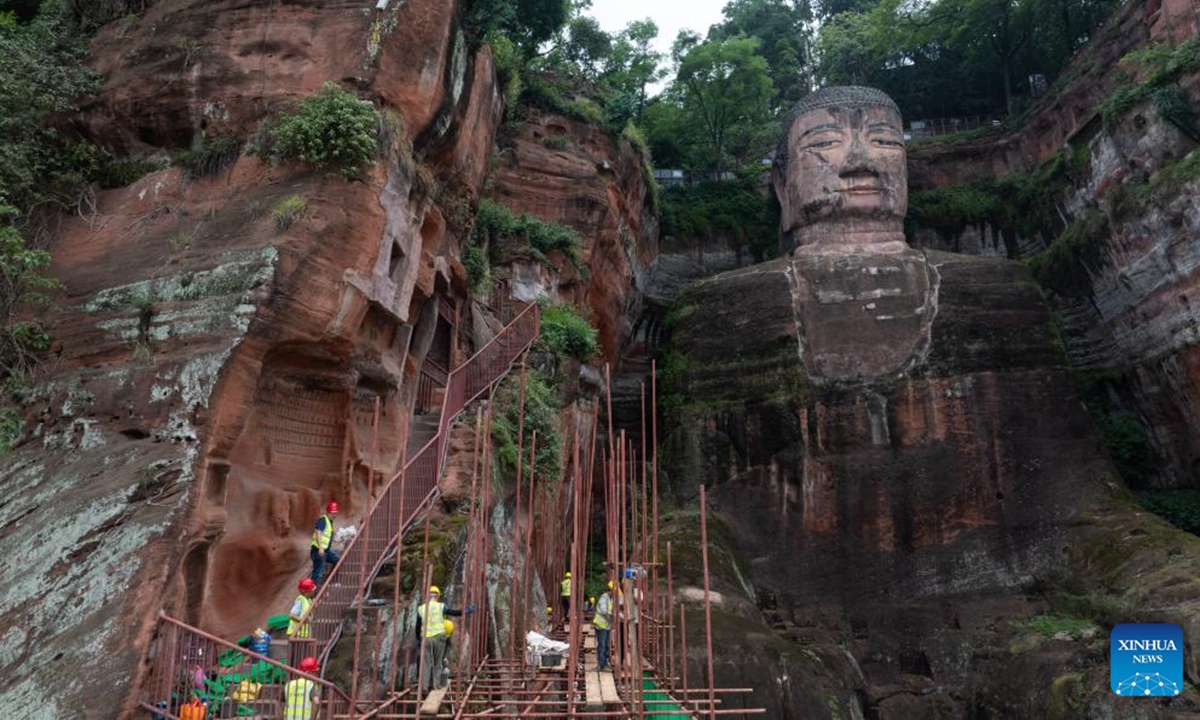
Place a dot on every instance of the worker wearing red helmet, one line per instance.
(298, 619)
(322, 539)
(300, 695)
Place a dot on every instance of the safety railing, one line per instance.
(431, 378)
(192, 666)
(384, 522)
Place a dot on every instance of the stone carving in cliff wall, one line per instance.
(840, 172)
(894, 440)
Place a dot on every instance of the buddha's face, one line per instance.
(845, 163)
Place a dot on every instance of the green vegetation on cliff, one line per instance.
(1022, 202)
(567, 333)
(330, 130)
(1160, 67)
(542, 408)
(42, 78)
(737, 209)
(505, 234)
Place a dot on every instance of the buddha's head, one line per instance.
(840, 170)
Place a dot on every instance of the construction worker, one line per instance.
(300, 695)
(565, 592)
(431, 620)
(603, 621)
(322, 538)
(589, 605)
(298, 628)
(449, 641)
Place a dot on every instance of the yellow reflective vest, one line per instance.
(298, 695)
(435, 623)
(299, 628)
(603, 616)
(566, 587)
(321, 539)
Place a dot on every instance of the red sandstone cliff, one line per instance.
(567, 171)
(213, 374)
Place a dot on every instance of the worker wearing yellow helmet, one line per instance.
(603, 621)
(565, 595)
(431, 625)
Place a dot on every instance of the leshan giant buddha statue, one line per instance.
(840, 172)
(888, 431)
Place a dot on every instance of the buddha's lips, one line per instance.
(863, 190)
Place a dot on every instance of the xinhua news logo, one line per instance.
(1146, 660)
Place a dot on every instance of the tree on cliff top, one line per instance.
(41, 79)
(527, 22)
(726, 89)
(781, 27)
(953, 58)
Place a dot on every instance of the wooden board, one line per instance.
(592, 681)
(433, 702)
(608, 689)
(589, 643)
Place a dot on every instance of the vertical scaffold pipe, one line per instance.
(712, 697)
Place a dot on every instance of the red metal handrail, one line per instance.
(362, 558)
(183, 654)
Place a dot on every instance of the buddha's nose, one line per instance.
(858, 159)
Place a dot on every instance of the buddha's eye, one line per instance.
(821, 145)
(888, 143)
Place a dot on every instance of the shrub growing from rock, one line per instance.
(289, 210)
(568, 333)
(332, 130)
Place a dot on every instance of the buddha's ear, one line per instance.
(779, 181)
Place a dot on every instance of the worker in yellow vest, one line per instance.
(298, 627)
(322, 538)
(603, 621)
(300, 695)
(431, 622)
(565, 594)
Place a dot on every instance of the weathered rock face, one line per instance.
(1070, 109)
(1125, 300)
(896, 447)
(576, 174)
(215, 372)
(1123, 292)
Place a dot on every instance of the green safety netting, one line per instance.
(222, 686)
(665, 711)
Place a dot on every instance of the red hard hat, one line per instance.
(309, 665)
(332, 507)
(307, 585)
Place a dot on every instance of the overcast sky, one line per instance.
(671, 16)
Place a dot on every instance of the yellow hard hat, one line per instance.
(435, 589)
(567, 574)
(549, 609)
(449, 625)
(610, 584)
(591, 598)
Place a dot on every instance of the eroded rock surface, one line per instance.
(900, 498)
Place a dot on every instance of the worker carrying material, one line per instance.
(431, 622)
(298, 627)
(322, 539)
(300, 695)
(565, 594)
(603, 622)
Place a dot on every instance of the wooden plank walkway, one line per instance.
(432, 705)
(599, 687)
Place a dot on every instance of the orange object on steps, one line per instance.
(193, 711)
